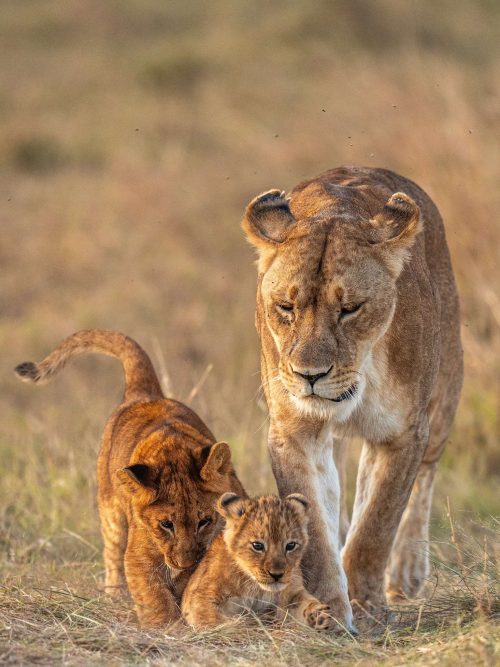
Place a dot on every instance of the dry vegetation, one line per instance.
(132, 135)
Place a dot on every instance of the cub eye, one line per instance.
(204, 522)
(258, 546)
(167, 525)
(291, 546)
(349, 308)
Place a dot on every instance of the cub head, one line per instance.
(329, 260)
(173, 500)
(266, 536)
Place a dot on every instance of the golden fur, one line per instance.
(234, 576)
(158, 463)
(358, 317)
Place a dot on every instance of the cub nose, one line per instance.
(275, 575)
(311, 376)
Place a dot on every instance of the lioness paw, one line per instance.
(318, 616)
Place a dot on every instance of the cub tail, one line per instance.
(141, 381)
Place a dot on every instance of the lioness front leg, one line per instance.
(381, 499)
(155, 605)
(305, 464)
(408, 566)
(340, 451)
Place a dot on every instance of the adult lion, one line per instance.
(358, 317)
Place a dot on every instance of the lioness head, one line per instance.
(174, 499)
(266, 536)
(329, 259)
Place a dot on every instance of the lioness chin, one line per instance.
(159, 474)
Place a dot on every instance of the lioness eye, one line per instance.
(284, 307)
(204, 522)
(291, 546)
(258, 546)
(167, 525)
(349, 308)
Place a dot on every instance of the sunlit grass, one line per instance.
(56, 612)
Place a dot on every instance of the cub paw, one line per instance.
(318, 616)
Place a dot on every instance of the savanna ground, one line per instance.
(132, 135)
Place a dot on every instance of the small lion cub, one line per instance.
(159, 475)
(255, 564)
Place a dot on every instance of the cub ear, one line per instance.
(218, 463)
(298, 501)
(268, 221)
(398, 225)
(230, 506)
(139, 477)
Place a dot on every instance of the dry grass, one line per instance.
(65, 621)
(132, 135)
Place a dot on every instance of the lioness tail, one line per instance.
(140, 377)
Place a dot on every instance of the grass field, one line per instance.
(132, 135)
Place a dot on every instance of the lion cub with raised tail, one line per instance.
(159, 475)
(255, 564)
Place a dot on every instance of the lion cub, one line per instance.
(255, 563)
(159, 475)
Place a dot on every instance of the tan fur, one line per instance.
(233, 576)
(158, 462)
(356, 288)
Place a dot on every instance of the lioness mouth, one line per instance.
(345, 395)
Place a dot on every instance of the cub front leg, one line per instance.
(305, 464)
(201, 613)
(155, 604)
(305, 608)
(317, 615)
(201, 606)
(114, 534)
(313, 613)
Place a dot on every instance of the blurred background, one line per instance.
(132, 135)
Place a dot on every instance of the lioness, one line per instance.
(159, 474)
(255, 564)
(358, 317)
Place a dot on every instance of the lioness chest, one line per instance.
(382, 413)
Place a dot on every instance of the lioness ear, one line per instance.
(218, 463)
(230, 505)
(268, 221)
(398, 225)
(138, 476)
(299, 501)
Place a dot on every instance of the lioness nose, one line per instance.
(275, 575)
(311, 377)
